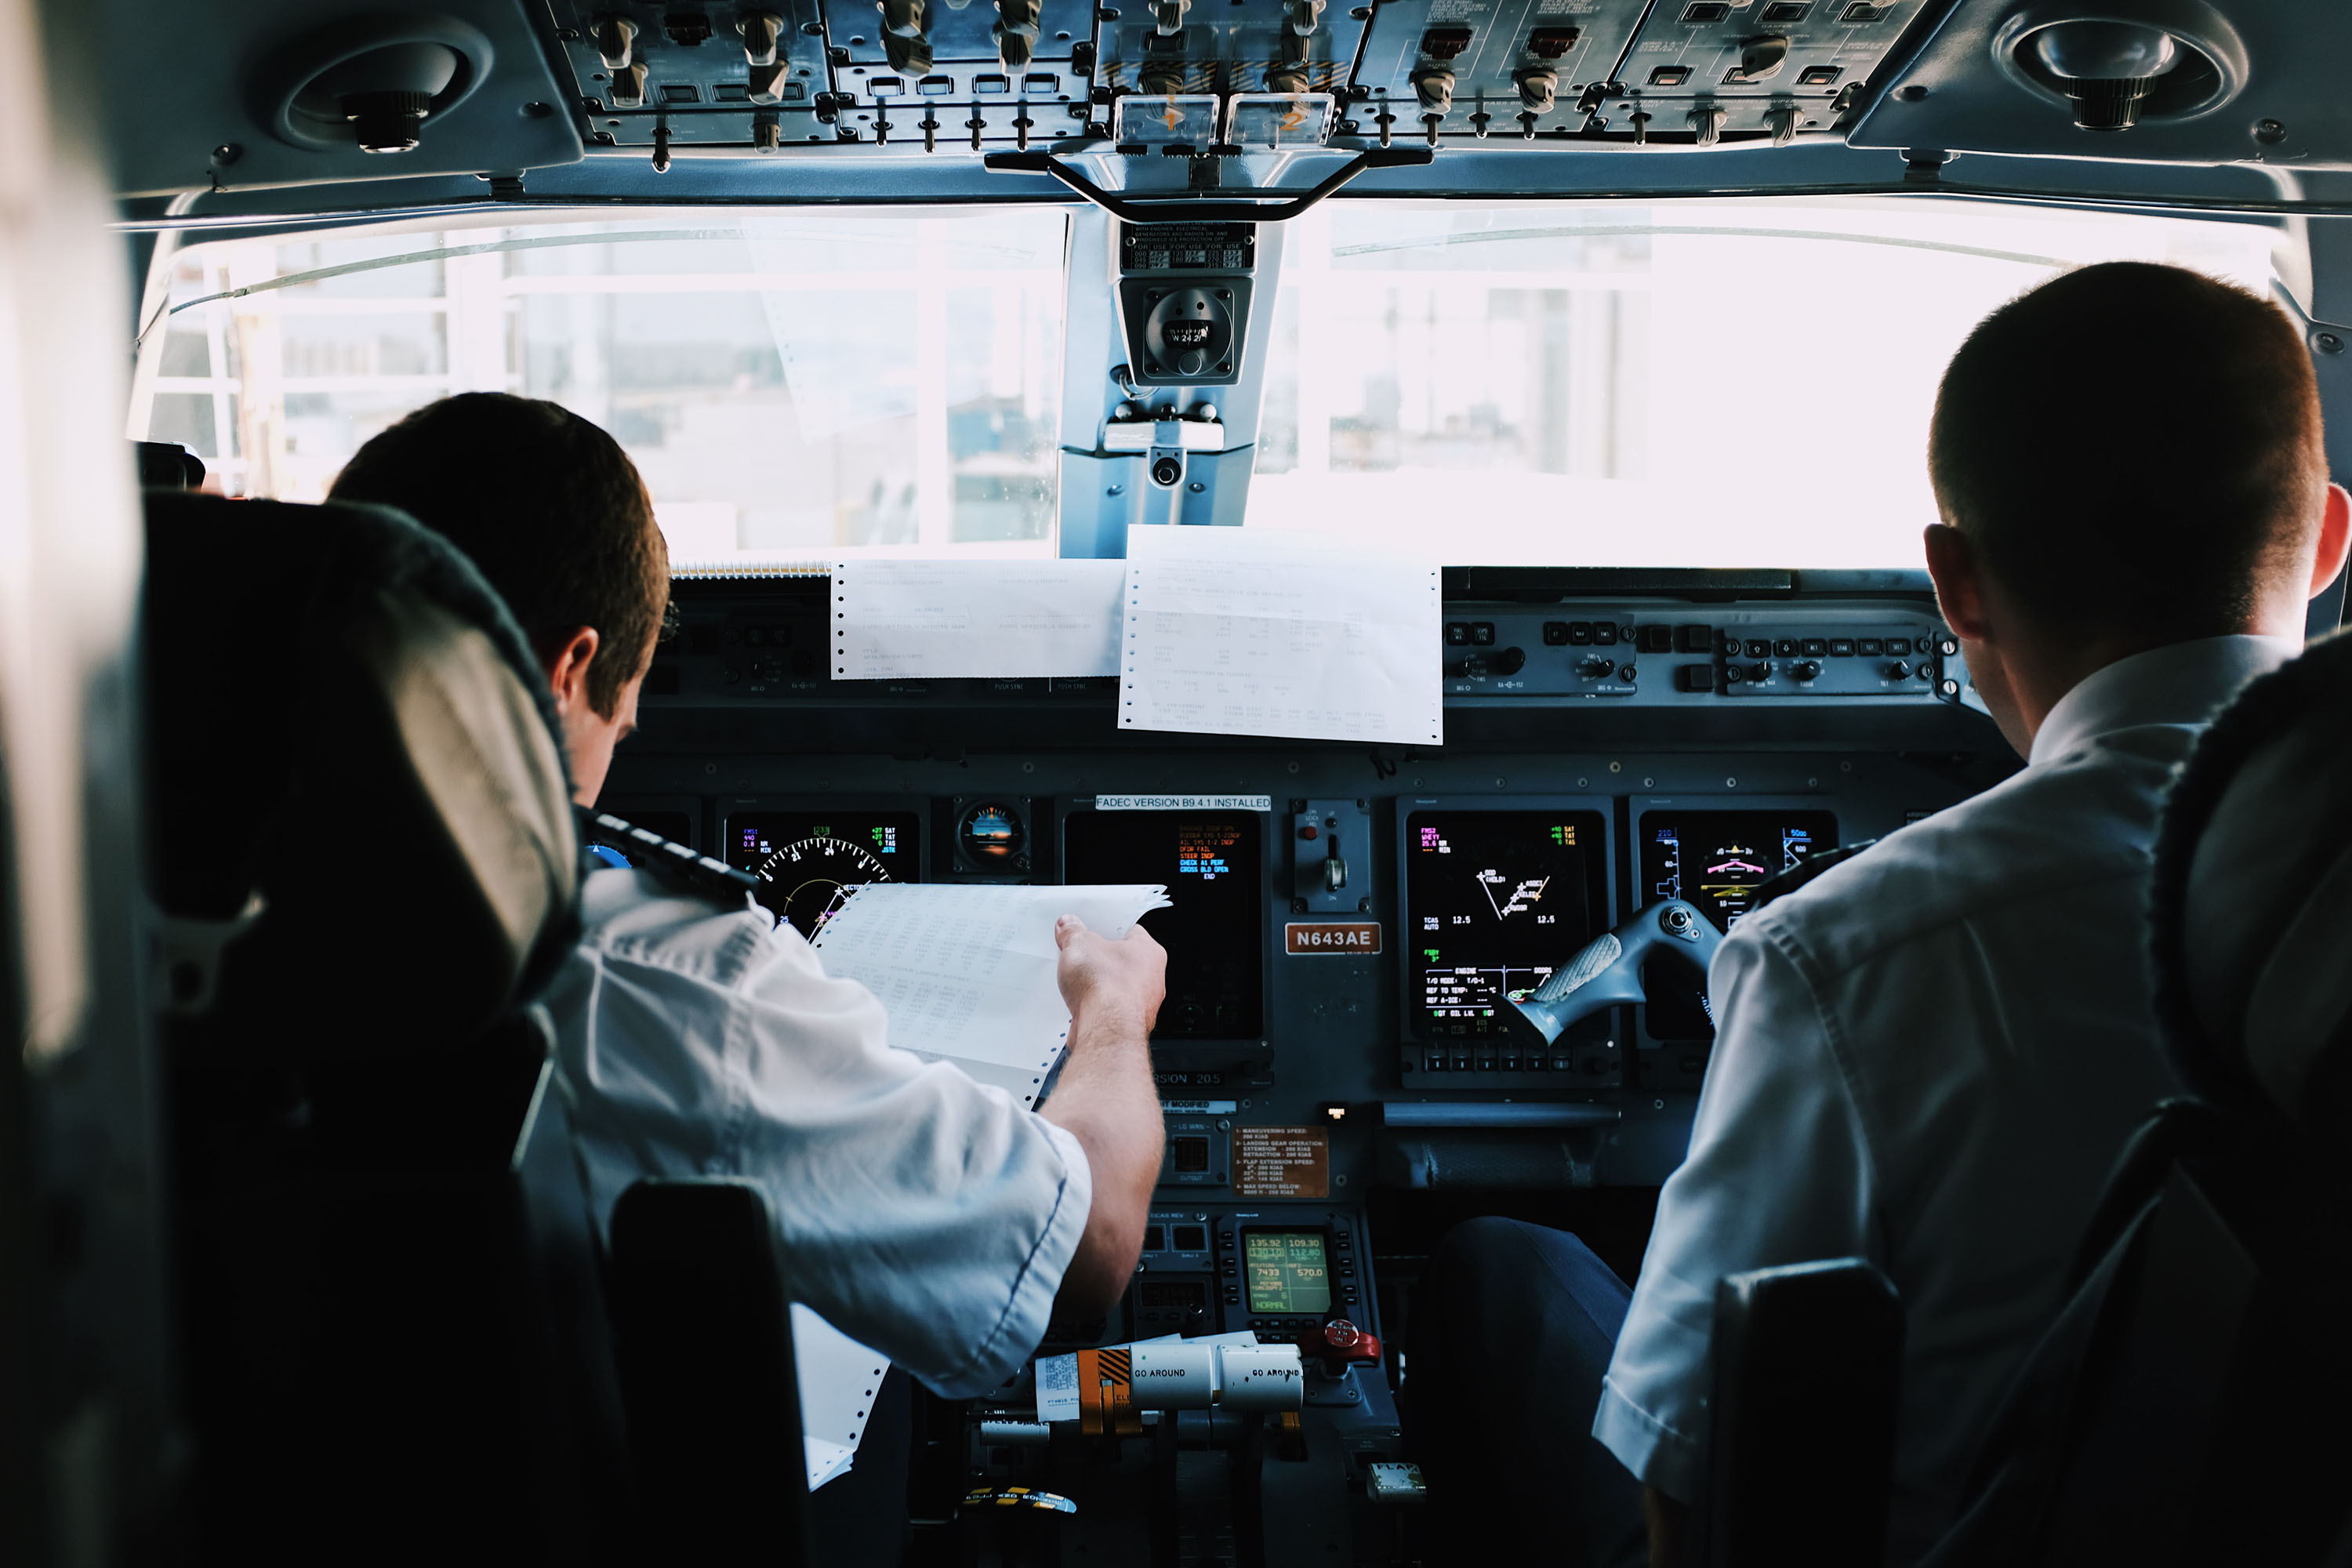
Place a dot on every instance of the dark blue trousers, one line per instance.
(1511, 1329)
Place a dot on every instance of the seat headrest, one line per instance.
(344, 718)
(2250, 948)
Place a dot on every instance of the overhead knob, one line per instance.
(1167, 16)
(1760, 59)
(1539, 89)
(1507, 660)
(1303, 16)
(1016, 32)
(766, 84)
(1707, 123)
(1434, 88)
(1784, 119)
(760, 34)
(767, 134)
(2106, 68)
(629, 85)
(615, 39)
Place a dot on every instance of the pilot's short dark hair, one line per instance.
(546, 505)
(2133, 448)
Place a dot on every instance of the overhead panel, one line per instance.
(678, 76)
(1438, 68)
(1706, 69)
(1212, 78)
(981, 72)
(1177, 47)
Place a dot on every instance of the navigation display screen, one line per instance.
(1288, 1271)
(1494, 901)
(1213, 865)
(1715, 858)
(808, 860)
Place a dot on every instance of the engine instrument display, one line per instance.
(808, 860)
(1715, 858)
(1494, 901)
(1215, 928)
(1288, 1271)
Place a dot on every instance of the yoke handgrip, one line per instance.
(1607, 970)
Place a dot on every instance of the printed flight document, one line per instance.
(966, 975)
(903, 620)
(1258, 631)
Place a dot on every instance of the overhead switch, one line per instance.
(761, 33)
(1706, 122)
(1016, 32)
(629, 85)
(1760, 59)
(904, 43)
(1540, 89)
(616, 40)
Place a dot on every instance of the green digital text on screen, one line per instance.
(1288, 1271)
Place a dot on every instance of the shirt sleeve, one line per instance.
(920, 1212)
(1779, 1172)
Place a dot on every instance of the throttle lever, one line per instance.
(1607, 970)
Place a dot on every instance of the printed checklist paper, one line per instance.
(1254, 631)
(907, 620)
(966, 975)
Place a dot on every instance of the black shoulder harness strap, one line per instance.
(673, 863)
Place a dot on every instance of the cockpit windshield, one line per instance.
(1718, 382)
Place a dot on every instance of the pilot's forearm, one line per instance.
(1105, 1099)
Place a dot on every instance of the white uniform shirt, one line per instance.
(1930, 1057)
(919, 1212)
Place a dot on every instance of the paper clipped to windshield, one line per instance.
(1256, 631)
(1012, 620)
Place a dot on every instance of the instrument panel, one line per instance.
(1348, 925)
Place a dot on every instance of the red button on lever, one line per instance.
(1339, 1342)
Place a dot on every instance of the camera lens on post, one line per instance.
(1166, 471)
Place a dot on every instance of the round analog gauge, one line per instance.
(805, 879)
(990, 834)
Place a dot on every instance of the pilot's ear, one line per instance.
(1958, 575)
(567, 669)
(2335, 540)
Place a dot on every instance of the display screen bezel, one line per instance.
(1084, 806)
(1330, 1287)
(1602, 880)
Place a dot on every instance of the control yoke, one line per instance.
(1607, 973)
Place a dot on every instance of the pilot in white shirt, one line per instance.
(922, 1213)
(1896, 1034)
(919, 1212)
(1931, 1056)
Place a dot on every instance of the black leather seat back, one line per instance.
(1808, 1374)
(2252, 951)
(701, 1314)
(344, 722)
(361, 848)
